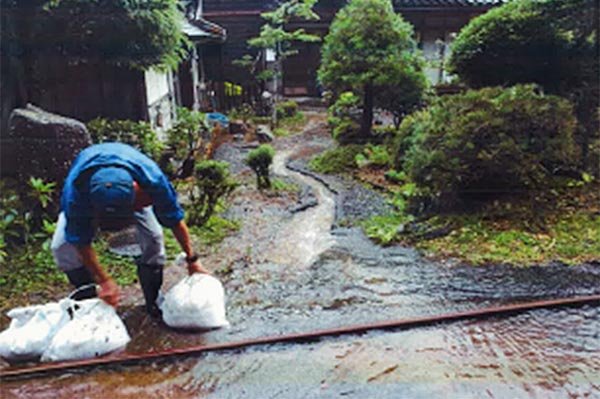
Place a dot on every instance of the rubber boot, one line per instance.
(79, 278)
(151, 279)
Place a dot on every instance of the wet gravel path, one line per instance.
(545, 354)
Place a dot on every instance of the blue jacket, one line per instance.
(75, 201)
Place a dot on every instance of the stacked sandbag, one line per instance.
(94, 330)
(196, 302)
(67, 330)
(31, 330)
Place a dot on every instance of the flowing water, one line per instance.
(313, 278)
(308, 234)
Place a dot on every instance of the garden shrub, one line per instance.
(244, 113)
(369, 49)
(373, 155)
(286, 109)
(336, 160)
(184, 141)
(551, 43)
(259, 161)
(26, 212)
(137, 134)
(344, 115)
(487, 142)
(514, 43)
(212, 182)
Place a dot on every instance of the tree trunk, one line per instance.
(367, 115)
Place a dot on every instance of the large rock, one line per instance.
(42, 144)
(263, 134)
(238, 127)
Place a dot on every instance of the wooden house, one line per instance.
(87, 90)
(435, 22)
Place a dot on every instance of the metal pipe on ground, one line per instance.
(495, 311)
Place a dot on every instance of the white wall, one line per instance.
(160, 97)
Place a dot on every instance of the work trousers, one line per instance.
(149, 235)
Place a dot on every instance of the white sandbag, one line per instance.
(196, 302)
(94, 330)
(30, 331)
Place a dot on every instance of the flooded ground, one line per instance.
(290, 272)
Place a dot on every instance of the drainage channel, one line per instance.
(498, 311)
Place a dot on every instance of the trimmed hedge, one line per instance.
(487, 142)
(259, 161)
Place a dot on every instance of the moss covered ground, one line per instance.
(520, 233)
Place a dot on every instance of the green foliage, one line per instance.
(281, 132)
(286, 109)
(367, 41)
(553, 43)
(121, 268)
(572, 238)
(487, 142)
(284, 186)
(291, 125)
(545, 42)
(343, 118)
(25, 214)
(514, 43)
(395, 176)
(244, 112)
(273, 34)
(376, 156)
(212, 182)
(337, 160)
(369, 47)
(137, 134)
(404, 91)
(214, 231)
(30, 269)
(184, 142)
(384, 229)
(261, 120)
(259, 161)
(140, 34)
(25, 236)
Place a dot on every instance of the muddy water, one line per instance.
(307, 235)
(538, 354)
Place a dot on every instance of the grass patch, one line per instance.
(30, 272)
(32, 277)
(293, 124)
(385, 229)
(214, 231)
(280, 185)
(564, 226)
(336, 160)
(122, 268)
(571, 239)
(261, 120)
(290, 125)
(281, 132)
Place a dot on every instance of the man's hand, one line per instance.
(196, 267)
(109, 292)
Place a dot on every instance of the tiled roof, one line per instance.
(202, 30)
(446, 3)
